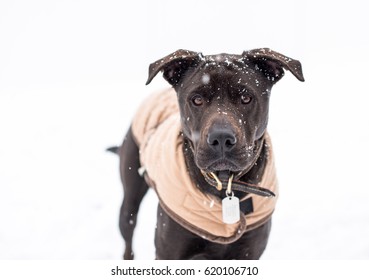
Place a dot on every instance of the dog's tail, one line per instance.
(114, 150)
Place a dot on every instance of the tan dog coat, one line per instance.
(157, 131)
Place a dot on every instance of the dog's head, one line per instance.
(224, 101)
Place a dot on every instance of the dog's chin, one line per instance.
(223, 169)
(222, 165)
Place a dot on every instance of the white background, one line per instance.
(73, 72)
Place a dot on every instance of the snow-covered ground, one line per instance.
(72, 75)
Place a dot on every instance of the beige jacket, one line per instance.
(157, 131)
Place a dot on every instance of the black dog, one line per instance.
(223, 105)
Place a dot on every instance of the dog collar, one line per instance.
(237, 186)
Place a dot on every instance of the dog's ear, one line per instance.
(272, 63)
(174, 66)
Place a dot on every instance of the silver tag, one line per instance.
(231, 209)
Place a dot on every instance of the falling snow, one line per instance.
(211, 203)
(75, 216)
(205, 79)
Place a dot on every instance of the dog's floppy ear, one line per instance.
(174, 66)
(271, 63)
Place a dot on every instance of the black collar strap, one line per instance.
(240, 186)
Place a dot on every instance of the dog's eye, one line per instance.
(246, 99)
(197, 100)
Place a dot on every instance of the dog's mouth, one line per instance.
(222, 174)
(221, 169)
(216, 178)
(238, 162)
(222, 166)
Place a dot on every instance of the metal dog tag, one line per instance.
(231, 209)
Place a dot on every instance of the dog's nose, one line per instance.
(221, 139)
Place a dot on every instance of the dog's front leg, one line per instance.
(174, 242)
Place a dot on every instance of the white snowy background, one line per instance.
(72, 74)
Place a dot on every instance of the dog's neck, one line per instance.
(253, 176)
